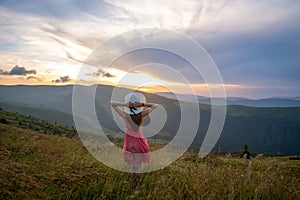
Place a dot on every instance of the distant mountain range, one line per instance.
(273, 130)
(265, 102)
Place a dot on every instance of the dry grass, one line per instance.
(39, 166)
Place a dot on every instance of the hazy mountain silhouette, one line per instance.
(268, 130)
(266, 102)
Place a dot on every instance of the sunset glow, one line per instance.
(256, 56)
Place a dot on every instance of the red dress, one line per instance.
(136, 148)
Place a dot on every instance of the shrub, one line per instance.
(3, 121)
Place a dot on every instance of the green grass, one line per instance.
(35, 165)
(38, 125)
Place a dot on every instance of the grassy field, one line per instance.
(35, 165)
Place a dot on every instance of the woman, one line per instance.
(136, 148)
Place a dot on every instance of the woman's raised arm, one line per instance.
(150, 107)
(117, 109)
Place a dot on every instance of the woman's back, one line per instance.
(135, 142)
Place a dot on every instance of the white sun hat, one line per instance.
(134, 97)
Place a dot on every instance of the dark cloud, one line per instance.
(62, 79)
(18, 71)
(258, 58)
(148, 61)
(33, 77)
(96, 74)
(65, 79)
(101, 73)
(108, 75)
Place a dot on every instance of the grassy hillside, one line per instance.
(51, 115)
(38, 125)
(35, 165)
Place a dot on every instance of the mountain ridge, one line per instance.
(243, 101)
(273, 130)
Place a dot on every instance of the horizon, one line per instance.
(71, 84)
(47, 43)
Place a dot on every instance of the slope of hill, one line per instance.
(267, 130)
(41, 113)
(38, 125)
(264, 130)
(41, 166)
(50, 97)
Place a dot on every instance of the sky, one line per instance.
(255, 44)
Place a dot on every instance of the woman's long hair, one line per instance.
(135, 120)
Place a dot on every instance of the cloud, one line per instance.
(34, 78)
(95, 74)
(108, 75)
(252, 42)
(65, 79)
(62, 79)
(266, 57)
(101, 73)
(21, 71)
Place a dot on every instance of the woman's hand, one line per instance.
(135, 104)
(129, 105)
